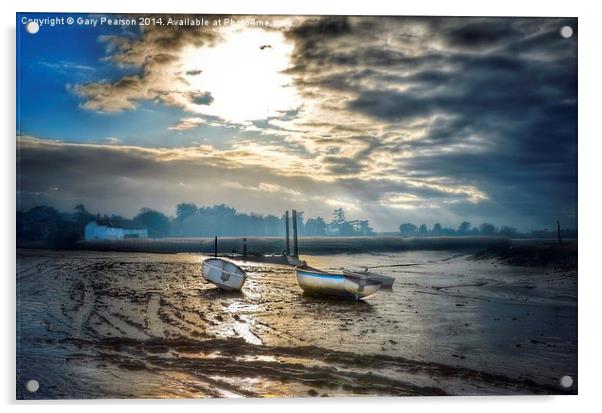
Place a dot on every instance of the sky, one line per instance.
(393, 119)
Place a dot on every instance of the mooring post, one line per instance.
(295, 244)
(215, 247)
(288, 241)
(558, 226)
(244, 247)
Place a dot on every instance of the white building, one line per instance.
(105, 230)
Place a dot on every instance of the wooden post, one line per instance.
(295, 244)
(215, 247)
(244, 247)
(559, 238)
(288, 236)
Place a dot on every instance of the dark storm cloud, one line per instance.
(313, 30)
(499, 172)
(497, 98)
(483, 33)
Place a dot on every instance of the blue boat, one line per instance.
(351, 285)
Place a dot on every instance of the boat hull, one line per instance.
(224, 274)
(336, 285)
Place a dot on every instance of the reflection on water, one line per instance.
(147, 325)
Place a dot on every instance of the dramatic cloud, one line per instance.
(434, 119)
(122, 179)
(484, 107)
(178, 66)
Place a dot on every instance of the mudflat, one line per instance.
(117, 324)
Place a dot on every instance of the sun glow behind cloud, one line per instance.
(244, 75)
(394, 115)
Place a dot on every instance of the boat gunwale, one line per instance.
(242, 273)
(369, 275)
(320, 274)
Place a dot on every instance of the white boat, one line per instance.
(356, 285)
(387, 281)
(225, 274)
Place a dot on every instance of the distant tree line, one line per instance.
(485, 229)
(45, 225)
(222, 220)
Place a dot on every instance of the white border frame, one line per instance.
(589, 197)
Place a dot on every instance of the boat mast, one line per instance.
(295, 244)
(288, 241)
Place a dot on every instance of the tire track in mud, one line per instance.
(311, 366)
(154, 325)
(86, 307)
(175, 319)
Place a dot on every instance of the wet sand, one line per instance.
(108, 324)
